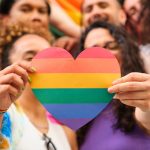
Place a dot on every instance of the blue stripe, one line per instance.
(75, 111)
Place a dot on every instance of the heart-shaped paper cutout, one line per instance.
(74, 91)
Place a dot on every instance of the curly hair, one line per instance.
(131, 62)
(11, 33)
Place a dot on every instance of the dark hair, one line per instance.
(131, 62)
(6, 5)
(6, 50)
(145, 21)
(121, 2)
(141, 36)
(128, 47)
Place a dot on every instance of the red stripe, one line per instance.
(84, 65)
(94, 52)
(54, 52)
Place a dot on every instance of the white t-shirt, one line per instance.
(29, 138)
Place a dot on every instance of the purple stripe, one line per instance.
(75, 124)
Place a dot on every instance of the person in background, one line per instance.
(124, 123)
(38, 13)
(133, 9)
(25, 12)
(119, 12)
(138, 22)
(145, 42)
(136, 13)
(103, 10)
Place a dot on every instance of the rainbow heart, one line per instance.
(74, 91)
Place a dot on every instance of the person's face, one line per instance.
(26, 47)
(102, 38)
(103, 10)
(133, 9)
(33, 12)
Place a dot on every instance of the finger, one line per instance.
(139, 77)
(15, 69)
(70, 45)
(60, 43)
(140, 95)
(8, 89)
(19, 71)
(142, 104)
(127, 87)
(7, 92)
(12, 79)
(20, 68)
(27, 66)
(65, 45)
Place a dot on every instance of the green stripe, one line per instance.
(63, 96)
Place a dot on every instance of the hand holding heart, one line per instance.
(133, 90)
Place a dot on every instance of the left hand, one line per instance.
(133, 90)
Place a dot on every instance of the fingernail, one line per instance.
(115, 96)
(33, 69)
(22, 88)
(18, 95)
(110, 90)
(29, 80)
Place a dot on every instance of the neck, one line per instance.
(143, 118)
(28, 101)
(33, 109)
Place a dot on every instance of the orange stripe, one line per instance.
(67, 6)
(76, 3)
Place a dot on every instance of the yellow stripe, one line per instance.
(73, 80)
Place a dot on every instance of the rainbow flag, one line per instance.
(74, 91)
(72, 8)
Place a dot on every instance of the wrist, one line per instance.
(2, 112)
(143, 118)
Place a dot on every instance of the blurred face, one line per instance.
(133, 8)
(26, 47)
(102, 38)
(33, 12)
(103, 10)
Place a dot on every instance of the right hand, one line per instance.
(12, 82)
(66, 42)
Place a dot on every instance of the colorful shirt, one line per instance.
(5, 133)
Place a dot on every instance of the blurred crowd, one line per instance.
(29, 26)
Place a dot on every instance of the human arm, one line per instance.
(62, 21)
(134, 90)
(12, 82)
